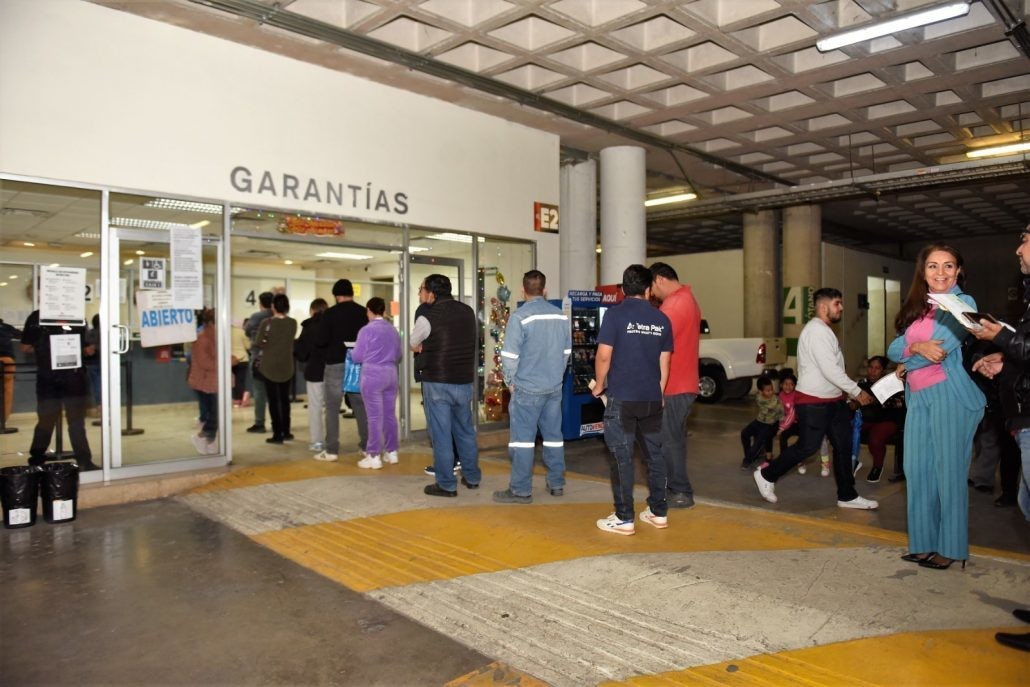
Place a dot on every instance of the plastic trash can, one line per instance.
(19, 491)
(60, 488)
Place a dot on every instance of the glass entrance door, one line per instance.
(152, 405)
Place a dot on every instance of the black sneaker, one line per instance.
(431, 471)
(677, 500)
(469, 484)
(874, 475)
(435, 489)
(288, 437)
(256, 429)
(507, 496)
(274, 440)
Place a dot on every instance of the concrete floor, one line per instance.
(298, 572)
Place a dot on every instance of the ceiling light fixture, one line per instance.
(88, 235)
(188, 206)
(87, 254)
(451, 236)
(884, 28)
(999, 150)
(343, 256)
(134, 223)
(27, 244)
(141, 252)
(129, 261)
(13, 276)
(201, 224)
(667, 200)
(287, 262)
(3, 283)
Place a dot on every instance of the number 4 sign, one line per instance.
(545, 218)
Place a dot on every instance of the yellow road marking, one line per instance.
(933, 658)
(496, 673)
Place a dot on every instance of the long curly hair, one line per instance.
(916, 305)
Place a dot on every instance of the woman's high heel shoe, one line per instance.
(936, 563)
(918, 557)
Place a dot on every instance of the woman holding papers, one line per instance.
(944, 408)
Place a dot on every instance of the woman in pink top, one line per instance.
(944, 408)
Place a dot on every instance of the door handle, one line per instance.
(123, 339)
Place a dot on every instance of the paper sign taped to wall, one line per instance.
(161, 323)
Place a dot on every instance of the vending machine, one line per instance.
(582, 414)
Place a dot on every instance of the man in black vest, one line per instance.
(446, 339)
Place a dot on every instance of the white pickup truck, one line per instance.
(728, 367)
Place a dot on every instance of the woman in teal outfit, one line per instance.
(944, 408)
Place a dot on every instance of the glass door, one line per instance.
(166, 378)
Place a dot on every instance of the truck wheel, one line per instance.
(711, 384)
(737, 388)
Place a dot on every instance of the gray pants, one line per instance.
(674, 441)
(357, 404)
(333, 381)
(257, 391)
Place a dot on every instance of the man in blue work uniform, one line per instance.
(537, 345)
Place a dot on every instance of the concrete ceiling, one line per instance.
(706, 82)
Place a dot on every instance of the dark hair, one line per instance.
(534, 282)
(343, 287)
(318, 305)
(763, 382)
(636, 279)
(884, 363)
(915, 305)
(662, 269)
(377, 305)
(790, 376)
(827, 293)
(206, 315)
(438, 285)
(787, 372)
(265, 299)
(280, 303)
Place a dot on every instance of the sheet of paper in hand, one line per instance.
(887, 386)
(962, 311)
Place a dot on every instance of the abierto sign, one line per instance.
(161, 323)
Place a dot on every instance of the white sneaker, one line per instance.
(859, 503)
(825, 470)
(200, 443)
(659, 521)
(615, 526)
(370, 462)
(326, 457)
(391, 458)
(766, 488)
(802, 469)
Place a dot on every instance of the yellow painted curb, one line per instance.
(933, 658)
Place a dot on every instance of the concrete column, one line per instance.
(760, 283)
(577, 234)
(623, 224)
(802, 267)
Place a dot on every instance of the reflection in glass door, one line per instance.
(149, 354)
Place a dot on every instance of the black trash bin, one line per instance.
(60, 488)
(19, 491)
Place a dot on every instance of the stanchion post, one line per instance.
(129, 430)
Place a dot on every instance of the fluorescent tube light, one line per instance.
(343, 256)
(666, 200)
(910, 21)
(134, 223)
(188, 206)
(999, 150)
(451, 236)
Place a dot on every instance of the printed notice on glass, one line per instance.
(65, 351)
(187, 268)
(62, 294)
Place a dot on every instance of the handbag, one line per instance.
(351, 375)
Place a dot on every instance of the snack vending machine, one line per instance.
(582, 414)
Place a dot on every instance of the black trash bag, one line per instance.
(19, 492)
(60, 487)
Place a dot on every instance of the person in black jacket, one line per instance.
(1011, 364)
(8, 335)
(308, 352)
(340, 326)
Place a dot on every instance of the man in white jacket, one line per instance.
(821, 405)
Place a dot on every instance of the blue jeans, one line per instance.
(449, 415)
(624, 423)
(527, 412)
(1023, 439)
(674, 441)
(257, 391)
(208, 413)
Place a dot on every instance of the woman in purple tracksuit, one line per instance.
(378, 349)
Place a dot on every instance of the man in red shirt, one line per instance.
(679, 306)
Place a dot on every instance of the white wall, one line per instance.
(94, 95)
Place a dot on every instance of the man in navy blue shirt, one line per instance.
(634, 348)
